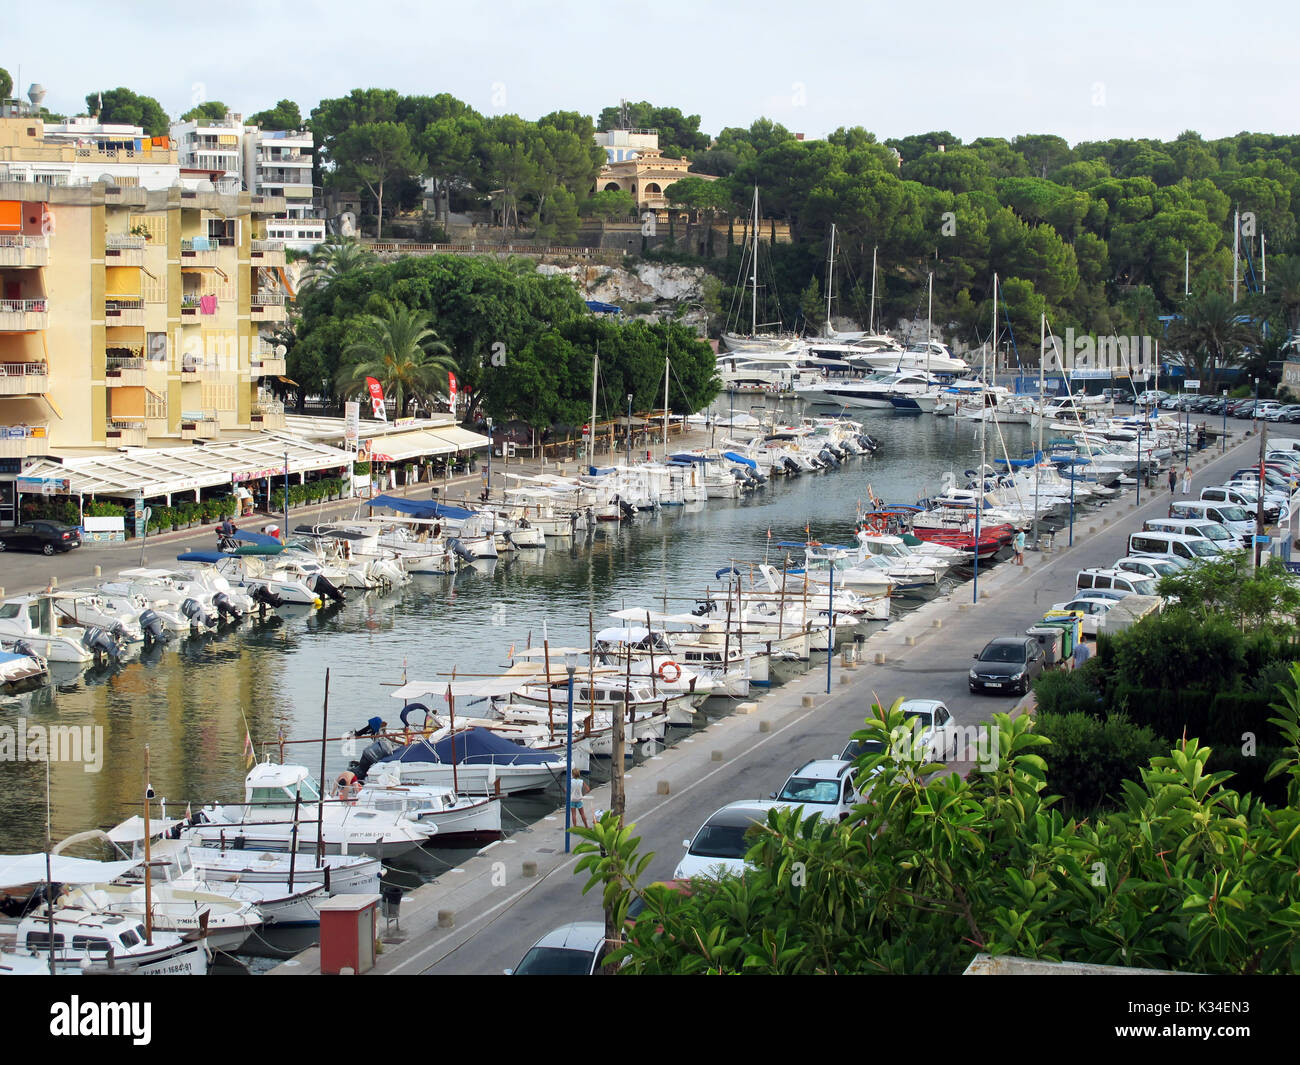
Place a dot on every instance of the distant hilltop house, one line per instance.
(637, 166)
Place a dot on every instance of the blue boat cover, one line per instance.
(420, 508)
(686, 456)
(740, 459)
(474, 746)
(202, 556)
(596, 307)
(255, 538)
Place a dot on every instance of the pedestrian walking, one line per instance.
(1081, 653)
(1020, 547)
(1187, 480)
(1173, 480)
(577, 789)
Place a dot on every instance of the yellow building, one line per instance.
(130, 316)
(646, 175)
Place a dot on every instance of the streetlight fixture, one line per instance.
(570, 667)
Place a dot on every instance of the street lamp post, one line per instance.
(830, 626)
(571, 667)
(629, 429)
(284, 537)
(1223, 438)
(489, 469)
(1141, 466)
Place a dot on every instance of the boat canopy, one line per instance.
(740, 459)
(255, 538)
(17, 869)
(421, 508)
(688, 456)
(474, 746)
(632, 635)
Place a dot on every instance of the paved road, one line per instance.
(506, 924)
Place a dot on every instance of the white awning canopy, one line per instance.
(461, 439)
(400, 446)
(153, 472)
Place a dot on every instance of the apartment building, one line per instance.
(279, 163)
(130, 316)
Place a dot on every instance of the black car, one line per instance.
(1008, 663)
(47, 537)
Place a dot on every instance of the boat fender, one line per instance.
(676, 670)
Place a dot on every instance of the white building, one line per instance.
(623, 144)
(279, 163)
(83, 150)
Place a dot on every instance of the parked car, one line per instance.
(575, 949)
(824, 787)
(47, 537)
(1007, 663)
(1149, 566)
(1093, 607)
(1087, 580)
(718, 849)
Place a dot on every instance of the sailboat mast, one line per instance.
(871, 314)
(929, 319)
(830, 280)
(591, 434)
(1038, 473)
(49, 876)
(1236, 250)
(667, 363)
(753, 266)
(148, 868)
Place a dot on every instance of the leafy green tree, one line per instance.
(611, 204)
(284, 115)
(1090, 758)
(6, 84)
(210, 110)
(124, 107)
(1045, 153)
(1229, 587)
(373, 155)
(1208, 334)
(334, 257)
(403, 353)
(679, 135)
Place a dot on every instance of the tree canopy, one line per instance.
(122, 106)
(284, 115)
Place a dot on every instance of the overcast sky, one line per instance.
(1083, 70)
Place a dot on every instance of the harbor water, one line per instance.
(193, 702)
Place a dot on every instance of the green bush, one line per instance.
(1178, 650)
(1090, 758)
(361, 469)
(1062, 692)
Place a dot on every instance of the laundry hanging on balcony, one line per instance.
(207, 304)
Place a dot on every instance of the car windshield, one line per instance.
(1203, 548)
(554, 961)
(1003, 652)
(857, 748)
(1144, 587)
(1214, 532)
(801, 789)
(720, 841)
(924, 715)
(1233, 514)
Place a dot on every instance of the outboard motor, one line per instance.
(193, 610)
(753, 476)
(376, 752)
(119, 633)
(629, 511)
(460, 550)
(324, 587)
(225, 607)
(791, 467)
(153, 628)
(102, 643)
(828, 458)
(264, 597)
(22, 647)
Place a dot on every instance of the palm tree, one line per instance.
(403, 353)
(1284, 288)
(1209, 331)
(335, 257)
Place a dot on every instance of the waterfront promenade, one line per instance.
(483, 915)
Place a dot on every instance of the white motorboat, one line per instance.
(87, 940)
(22, 672)
(179, 910)
(32, 621)
(459, 818)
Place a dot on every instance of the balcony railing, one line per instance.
(24, 306)
(267, 247)
(123, 303)
(22, 240)
(23, 378)
(269, 406)
(269, 299)
(122, 362)
(23, 369)
(124, 242)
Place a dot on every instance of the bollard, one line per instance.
(446, 918)
(963, 606)
(881, 658)
(937, 623)
(910, 641)
(98, 572)
(765, 726)
(846, 659)
(54, 582)
(661, 788)
(845, 678)
(530, 869)
(715, 756)
(984, 594)
(807, 701)
(745, 708)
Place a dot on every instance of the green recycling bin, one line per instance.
(1070, 622)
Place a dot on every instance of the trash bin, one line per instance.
(1070, 622)
(392, 896)
(1050, 638)
(347, 933)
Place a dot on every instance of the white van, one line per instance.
(1172, 545)
(1114, 579)
(1150, 566)
(1222, 539)
(1237, 520)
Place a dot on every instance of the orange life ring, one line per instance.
(663, 672)
(878, 524)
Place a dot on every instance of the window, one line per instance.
(90, 943)
(41, 941)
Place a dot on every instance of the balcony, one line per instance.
(265, 366)
(199, 425)
(126, 432)
(267, 414)
(19, 250)
(24, 316)
(201, 251)
(268, 307)
(198, 368)
(24, 441)
(123, 250)
(123, 310)
(193, 307)
(266, 253)
(122, 371)
(24, 378)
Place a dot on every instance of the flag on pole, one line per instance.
(377, 399)
(451, 390)
(249, 757)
